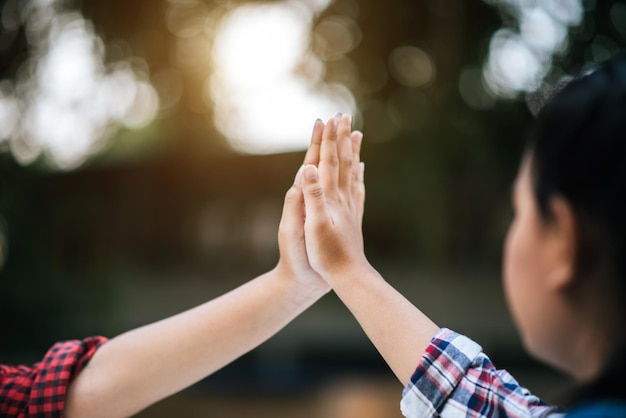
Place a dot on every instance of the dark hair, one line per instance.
(577, 151)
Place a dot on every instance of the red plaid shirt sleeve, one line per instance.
(39, 391)
(456, 379)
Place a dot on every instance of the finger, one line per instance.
(313, 153)
(359, 191)
(296, 199)
(298, 180)
(314, 197)
(328, 165)
(292, 220)
(293, 207)
(356, 138)
(345, 156)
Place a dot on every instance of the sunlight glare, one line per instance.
(261, 105)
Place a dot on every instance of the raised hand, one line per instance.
(144, 365)
(334, 195)
(293, 257)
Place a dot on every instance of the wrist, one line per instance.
(306, 283)
(346, 276)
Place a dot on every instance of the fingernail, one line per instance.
(359, 136)
(338, 115)
(310, 172)
(298, 180)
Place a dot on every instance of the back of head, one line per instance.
(578, 152)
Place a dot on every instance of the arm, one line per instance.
(445, 374)
(147, 364)
(334, 196)
(455, 378)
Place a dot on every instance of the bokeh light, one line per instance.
(186, 19)
(411, 66)
(602, 48)
(66, 102)
(473, 90)
(264, 100)
(618, 18)
(519, 58)
(512, 66)
(336, 36)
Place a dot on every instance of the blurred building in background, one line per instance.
(145, 148)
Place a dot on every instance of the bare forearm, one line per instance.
(399, 330)
(147, 364)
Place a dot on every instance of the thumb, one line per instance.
(314, 199)
(292, 218)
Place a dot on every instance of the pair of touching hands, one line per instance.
(319, 237)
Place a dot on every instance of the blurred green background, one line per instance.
(145, 148)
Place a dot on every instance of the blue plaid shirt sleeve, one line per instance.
(456, 379)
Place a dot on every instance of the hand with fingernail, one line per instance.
(334, 196)
(334, 193)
